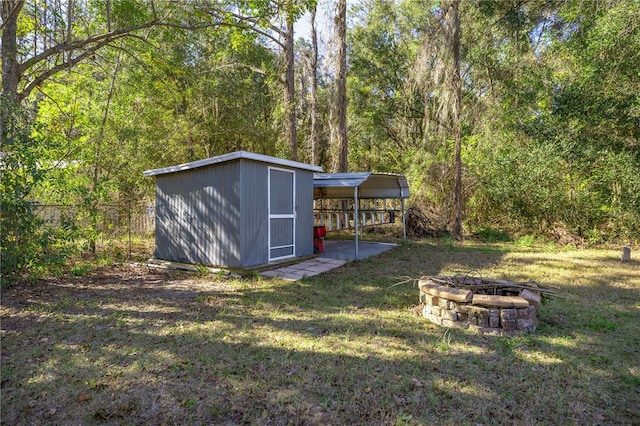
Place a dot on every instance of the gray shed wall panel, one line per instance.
(304, 213)
(254, 229)
(255, 206)
(198, 215)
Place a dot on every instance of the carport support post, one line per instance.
(404, 226)
(355, 218)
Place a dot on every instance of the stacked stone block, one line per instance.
(486, 314)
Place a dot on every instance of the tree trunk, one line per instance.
(457, 82)
(315, 160)
(289, 93)
(9, 53)
(341, 82)
(10, 77)
(446, 77)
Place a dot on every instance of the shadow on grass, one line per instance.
(339, 348)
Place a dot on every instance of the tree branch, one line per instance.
(69, 63)
(241, 24)
(90, 46)
(67, 46)
(17, 6)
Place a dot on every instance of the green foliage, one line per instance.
(26, 247)
(80, 271)
(596, 106)
(386, 111)
(202, 271)
(526, 240)
(519, 182)
(535, 187)
(491, 235)
(125, 13)
(405, 420)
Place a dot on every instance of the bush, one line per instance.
(534, 187)
(26, 247)
(491, 235)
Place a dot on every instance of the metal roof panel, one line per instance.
(230, 157)
(369, 184)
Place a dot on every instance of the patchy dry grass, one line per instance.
(131, 345)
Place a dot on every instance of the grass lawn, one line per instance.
(129, 345)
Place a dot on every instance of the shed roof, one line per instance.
(230, 157)
(369, 184)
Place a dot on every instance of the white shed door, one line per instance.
(282, 218)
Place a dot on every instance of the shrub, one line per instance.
(491, 235)
(26, 247)
(536, 187)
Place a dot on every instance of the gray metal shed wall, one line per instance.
(254, 212)
(304, 213)
(198, 215)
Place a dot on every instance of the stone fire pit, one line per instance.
(486, 306)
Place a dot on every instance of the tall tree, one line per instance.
(385, 111)
(11, 72)
(257, 17)
(22, 73)
(66, 40)
(313, 69)
(452, 42)
(10, 9)
(438, 74)
(290, 91)
(341, 84)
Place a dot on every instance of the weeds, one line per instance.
(491, 235)
(80, 271)
(443, 344)
(203, 271)
(527, 241)
(252, 274)
(601, 324)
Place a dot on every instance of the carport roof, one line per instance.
(370, 185)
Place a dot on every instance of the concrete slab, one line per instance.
(308, 268)
(336, 254)
(346, 250)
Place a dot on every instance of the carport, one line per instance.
(375, 188)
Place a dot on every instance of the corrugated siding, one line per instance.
(254, 206)
(304, 213)
(254, 229)
(198, 215)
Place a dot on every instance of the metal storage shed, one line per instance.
(238, 210)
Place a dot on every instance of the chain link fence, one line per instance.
(111, 220)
